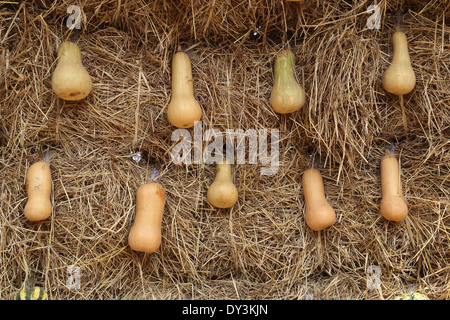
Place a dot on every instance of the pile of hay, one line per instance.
(261, 248)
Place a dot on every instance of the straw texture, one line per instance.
(260, 248)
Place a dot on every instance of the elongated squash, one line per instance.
(70, 80)
(319, 214)
(399, 77)
(145, 234)
(183, 109)
(222, 193)
(287, 96)
(39, 186)
(393, 206)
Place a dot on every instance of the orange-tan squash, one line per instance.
(38, 183)
(319, 214)
(222, 193)
(145, 234)
(183, 109)
(393, 206)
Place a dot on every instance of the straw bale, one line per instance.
(261, 248)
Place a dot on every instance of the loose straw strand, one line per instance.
(136, 113)
(405, 120)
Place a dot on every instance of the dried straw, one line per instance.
(261, 248)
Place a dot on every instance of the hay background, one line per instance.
(261, 248)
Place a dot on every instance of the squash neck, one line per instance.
(284, 66)
(183, 88)
(223, 171)
(69, 52)
(391, 184)
(400, 44)
(313, 187)
(182, 81)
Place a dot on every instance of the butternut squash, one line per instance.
(287, 96)
(399, 77)
(38, 183)
(222, 193)
(70, 80)
(319, 214)
(183, 109)
(393, 206)
(145, 234)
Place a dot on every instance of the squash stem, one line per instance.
(399, 20)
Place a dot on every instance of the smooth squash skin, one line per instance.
(287, 96)
(222, 193)
(38, 183)
(70, 80)
(393, 206)
(145, 234)
(319, 214)
(183, 109)
(399, 77)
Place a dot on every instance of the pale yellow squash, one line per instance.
(183, 110)
(287, 95)
(399, 78)
(222, 193)
(70, 80)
